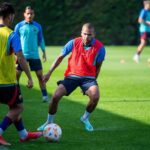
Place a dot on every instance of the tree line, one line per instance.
(115, 21)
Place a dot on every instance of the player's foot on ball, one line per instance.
(32, 135)
(41, 128)
(3, 141)
(87, 124)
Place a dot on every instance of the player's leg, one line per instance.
(23, 133)
(36, 65)
(140, 48)
(93, 93)
(65, 87)
(15, 113)
(14, 100)
(58, 94)
(42, 85)
(18, 71)
(8, 97)
(8, 120)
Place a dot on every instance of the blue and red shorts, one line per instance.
(10, 95)
(145, 35)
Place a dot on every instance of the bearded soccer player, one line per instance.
(31, 36)
(9, 89)
(84, 64)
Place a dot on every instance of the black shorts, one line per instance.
(10, 95)
(71, 83)
(35, 64)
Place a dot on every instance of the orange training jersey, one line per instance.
(81, 61)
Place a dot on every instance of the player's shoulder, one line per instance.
(13, 35)
(21, 23)
(36, 24)
(99, 42)
(144, 10)
(8, 29)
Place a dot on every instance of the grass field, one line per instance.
(122, 117)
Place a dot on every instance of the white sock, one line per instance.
(86, 115)
(23, 134)
(1, 131)
(50, 118)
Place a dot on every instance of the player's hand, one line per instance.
(44, 57)
(46, 77)
(30, 84)
(148, 23)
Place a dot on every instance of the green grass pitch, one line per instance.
(121, 119)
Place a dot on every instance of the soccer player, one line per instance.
(144, 20)
(84, 64)
(9, 89)
(31, 36)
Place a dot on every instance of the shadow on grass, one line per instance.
(112, 131)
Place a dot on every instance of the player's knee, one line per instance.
(20, 109)
(56, 98)
(95, 96)
(40, 78)
(15, 112)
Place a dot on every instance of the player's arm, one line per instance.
(44, 56)
(141, 20)
(17, 29)
(142, 17)
(42, 42)
(99, 60)
(16, 45)
(23, 63)
(65, 51)
(53, 67)
(98, 68)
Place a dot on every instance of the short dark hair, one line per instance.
(88, 25)
(146, 1)
(6, 9)
(28, 7)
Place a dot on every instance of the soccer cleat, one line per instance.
(87, 124)
(3, 142)
(41, 128)
(136, 58)
(45, 99)
(32, 135)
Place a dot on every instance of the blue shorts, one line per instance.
(35, 65)
(71, 83)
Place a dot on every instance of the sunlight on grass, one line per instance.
(122, 117)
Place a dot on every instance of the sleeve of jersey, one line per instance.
(17, 29)
(67, 48)
(142, 14)
(15, 42)
(101, 55)
(41, 39)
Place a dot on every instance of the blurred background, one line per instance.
(115, 21)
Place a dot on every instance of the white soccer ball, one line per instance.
(52, 132)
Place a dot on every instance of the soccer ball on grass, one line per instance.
(52, 132)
